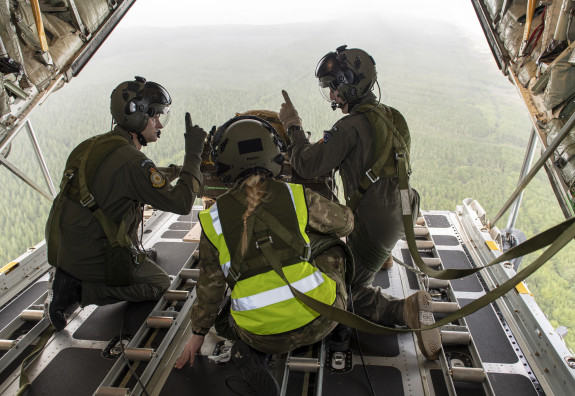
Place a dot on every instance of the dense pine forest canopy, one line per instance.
(469, 128)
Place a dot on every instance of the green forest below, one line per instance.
(469, 128)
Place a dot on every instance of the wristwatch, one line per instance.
(292, 128)
(198, 333)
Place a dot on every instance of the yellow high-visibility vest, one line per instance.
(263, 304)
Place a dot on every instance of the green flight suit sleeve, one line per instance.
(210, 288)
(145, 183)
(172, 172)
(313, 160)
(328, 217)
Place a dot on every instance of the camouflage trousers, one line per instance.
(331, 263)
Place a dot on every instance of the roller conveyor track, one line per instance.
(480, 355)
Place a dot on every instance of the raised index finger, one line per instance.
(286, 97)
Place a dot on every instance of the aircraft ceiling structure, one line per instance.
(44, 44)
(531, 42)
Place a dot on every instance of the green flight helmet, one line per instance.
(132, 103)
(244, 145)
(349, 71)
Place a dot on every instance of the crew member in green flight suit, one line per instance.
(92, 230)
(365, 134)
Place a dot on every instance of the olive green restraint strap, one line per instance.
(537, 242)
(377, 171)
(24, 380)
(557, 236)
(357, 322)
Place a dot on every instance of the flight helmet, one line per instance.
(245, 145)
(132, 103)
(349, 71)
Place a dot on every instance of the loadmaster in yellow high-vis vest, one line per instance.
(266, 239)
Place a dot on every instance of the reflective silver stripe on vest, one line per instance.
(218, 228)
(278, 294)
(226, 268)
(291, 194)
(216, 218)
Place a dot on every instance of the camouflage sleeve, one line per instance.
(328, 217)
(210, 288)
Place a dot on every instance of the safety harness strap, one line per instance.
(98, 148)
(300, 249)
(116, 234)
(378, 168)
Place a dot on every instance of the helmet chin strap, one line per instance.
(141, 139)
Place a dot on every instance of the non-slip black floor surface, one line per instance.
(386, 381)
(457, 259)
(173, 255)
(490, 338)
(437, 221)
(105, 322)
(73, 372)
(204, 378)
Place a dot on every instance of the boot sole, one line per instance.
(429, 341)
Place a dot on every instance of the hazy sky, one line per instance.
(265, 12)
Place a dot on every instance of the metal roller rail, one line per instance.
(154, 321)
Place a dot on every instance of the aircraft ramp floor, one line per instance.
(480, 355)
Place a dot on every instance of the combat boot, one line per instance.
(340, 338)
(417, 313)
(388, 263)
(66, 291)
(257, 378)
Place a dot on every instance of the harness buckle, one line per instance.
(234, 275)
(307, 253)
(263, 240)
(371, 176)
(88, 201)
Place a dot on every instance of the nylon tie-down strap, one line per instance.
(557, 237)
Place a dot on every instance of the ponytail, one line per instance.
(255, 195)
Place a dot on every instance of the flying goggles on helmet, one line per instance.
(349, 71)
(132, 103)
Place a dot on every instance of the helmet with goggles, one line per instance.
(349, 71)
(132, 103)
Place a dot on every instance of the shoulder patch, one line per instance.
(326, 136)
(158, 180)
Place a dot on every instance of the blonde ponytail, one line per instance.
(255, 195)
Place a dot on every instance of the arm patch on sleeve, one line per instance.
(157, 178)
